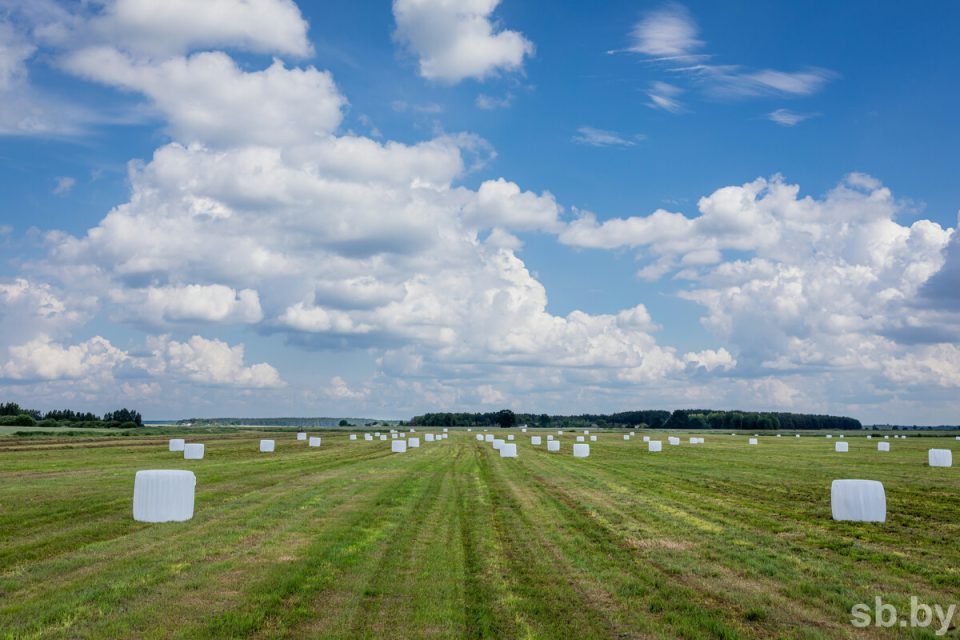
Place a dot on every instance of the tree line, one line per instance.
(12, 414)
(645, 419)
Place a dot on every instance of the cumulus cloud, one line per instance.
(457, 39)
(43, 359)
(499, 203)
(190, 303)
(215, 362)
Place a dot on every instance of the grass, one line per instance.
(721, 540)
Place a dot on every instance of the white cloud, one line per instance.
(14, 52)
(489, 103)
(734, 81)
(668, 32)
(208, 98)
(43, 359)
(189, 303)
(64, 185)
(710, 359)
(215, 362)
(499, 203)
(456, 39)
(788, 118)
(594, 137)
(663, 95)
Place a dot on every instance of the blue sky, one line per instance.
(387, 208)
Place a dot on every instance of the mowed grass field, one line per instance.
(720, 540)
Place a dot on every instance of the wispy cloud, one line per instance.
(402, 106)
(663, 95)
(490, 103)
(64, 185)
(668, 33)
(593, 137)
(789, 118)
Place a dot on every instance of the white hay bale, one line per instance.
(549, 437)
(303, 436)
(593, 438)
(176, 444)
(581, 450)
(428, 437)
(579, 438)
(498, 443)
(161, 495)
(523, 430)
(383, 436)
(869, 437)
(692, 440)
(841, 435)
(376, 434)
(674, 441)
(654, 446)
(797, 436)
(535, 440)
(398, 446)
(508, 450)
(445, 430)
(411, 430)
(393, 436)
(886, 437)
(829, 436)
(510, 437)
(367, 437)
(841, 447)
(193, 451)
(413, 443)
(858, 501)
(488, 437)
(393, 430)
(353, 436)
(940, 458)
(586, 432)
(752, 441)
(883, 446)
(479, 437)
(267, 446)
(315, 441)
(559, 433)
(958, 437)
(626, 436)
(646, 438)
(553, 445)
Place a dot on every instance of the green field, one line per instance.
(721, 540)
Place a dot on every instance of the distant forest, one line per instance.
(652, 419)
(12, 414)
(283, 422)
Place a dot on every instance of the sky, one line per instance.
(262, 208)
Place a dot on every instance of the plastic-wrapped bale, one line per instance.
(858, 501)
(488, 437)
(626, 436)
(413, 443)
(383, 436)
(367, 437)
(176, 444)
(883, 446)
(553, 445)
(646, 438)
(161, 495)
(498, 443)
(393, 436)
(398, 446)
(886, 437)
(559, 432)
(523, 430)
(579, 438)
(869, 437)
(412, 430)
(593, 438)
(940, 458)
(958, 437)
(193, 451)
(692, 440)
(267, 446)
(654, 446)
(376, 434)
(428, 437)
(673, 441)
(445, 430)
(353, 436)
(586, 432)
(303, 436)
(841, 435)
(581, 450)
(549, 437)
(479, 437)
(752, 441)
(536, 440)
(508, 450)
(779, 436)
(829, 436)
(841, 447)
(510, 438)
(314, 441)
(797, 436)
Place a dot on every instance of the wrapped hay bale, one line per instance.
(445, 430)
(267, 446)
(535, 440)
(176, 444)
(692, 440)
(829, 436)
(883, 446)
(428, 437)
(797, 436)
(646, 438)
(367, 437)
(488, 437)
(413, 443)
(510, 438)
(498, 443)
(549, 437)
(508, 450)
(353, 436)
(586, 432)
(579, 438)
(581, 450)
(161, 495)
(376, 434)
(398, 446)
(752, 441)
(869, 437)
(553, 445)
(626, 436)
(523, 430)
(383, 436)
(674, 441)
(593, 438)
(315, 441)
(479, 437)
(303, 436)
(393, 436)
(940, 458)
(841, 447)
(654, 446)
(193, 451)
(858, 501)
